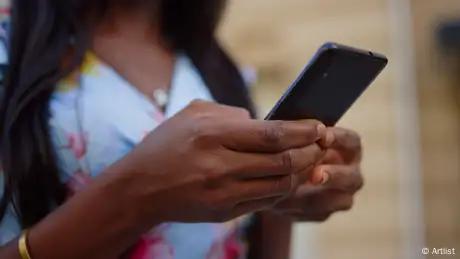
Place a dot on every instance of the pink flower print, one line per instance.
(216, 251)
(232, 247)
(229, 247)
(153, 247)
(77, 143)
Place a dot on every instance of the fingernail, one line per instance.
(325, 178)
(322, 130)
(330, 138)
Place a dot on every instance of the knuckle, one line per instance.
(354, 140)
(349, 187)
(314, 154)
(304, 160)
(355, 182)
(349, 140)
(196, 106)
(274, 133)
(286, 160)
(212, 170)
(241, 112)
(198, 103)
(202, 128)
(348, 181)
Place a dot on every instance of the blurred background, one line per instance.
(409, 119)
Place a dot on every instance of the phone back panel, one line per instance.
(329, 85)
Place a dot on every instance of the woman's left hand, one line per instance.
(341, 180)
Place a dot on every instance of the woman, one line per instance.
(93, 170)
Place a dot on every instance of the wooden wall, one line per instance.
(439, 97)
(278, 37)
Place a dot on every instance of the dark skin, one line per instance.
(229, 167)
(132, 31)
(340, 170)
(335, 181)
(214, 190)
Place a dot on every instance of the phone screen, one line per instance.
(328, 86)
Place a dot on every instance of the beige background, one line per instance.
(439, 82)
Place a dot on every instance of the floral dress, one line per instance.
(97, 118)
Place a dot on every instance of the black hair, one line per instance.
(41, 37)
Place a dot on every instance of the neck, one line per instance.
(133, 45)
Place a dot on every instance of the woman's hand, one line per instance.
(212, 163)
(209, 163)
(342, 178)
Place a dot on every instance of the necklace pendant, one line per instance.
(161, 97)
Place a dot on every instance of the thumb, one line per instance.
(340, 177)
(318, 176)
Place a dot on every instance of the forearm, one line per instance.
(270, 237)
(99, 222)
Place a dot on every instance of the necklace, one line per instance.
(161, 97)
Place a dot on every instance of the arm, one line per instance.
(90, 225)
(270, 237)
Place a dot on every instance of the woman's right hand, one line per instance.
(212, 163)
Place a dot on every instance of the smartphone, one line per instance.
(329, 85)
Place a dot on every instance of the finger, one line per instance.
(334, 157)
(302, 199)
(253, 206)
(327, 139)
(347, 143)
(261, 188)
(269, 136)
(331, 202)
(309, 217)
(293, 161)
(318, 176)
(340, 177)
(342, 202)
(322, 202)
